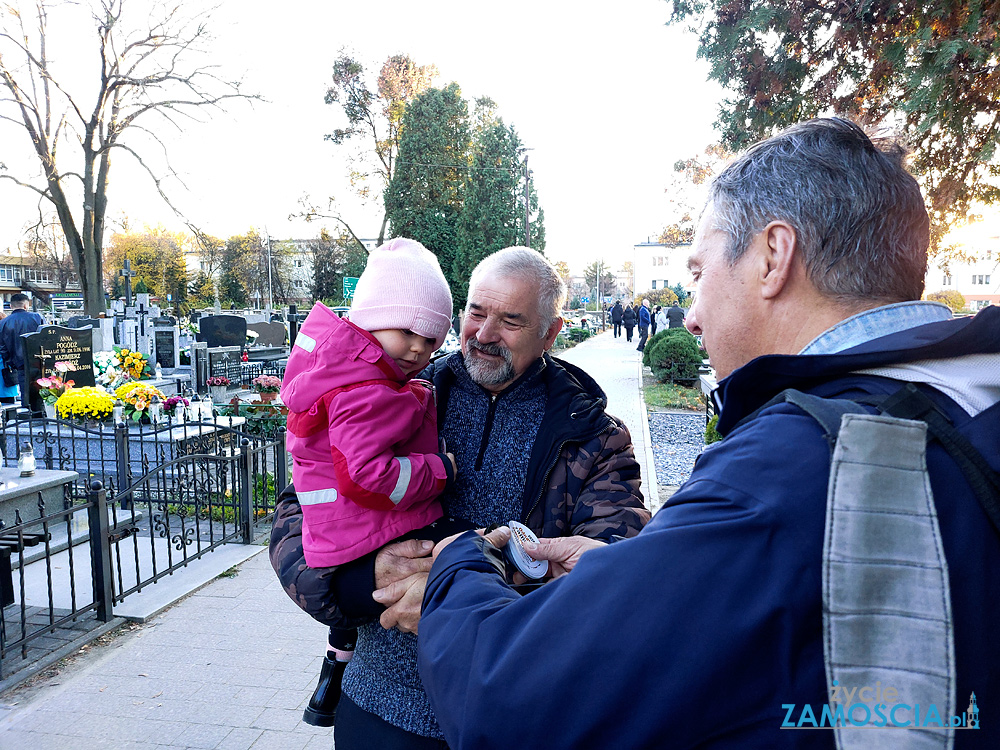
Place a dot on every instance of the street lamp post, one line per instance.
(270, 291)
(527, 193)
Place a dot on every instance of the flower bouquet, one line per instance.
(52, 387)
(136, 397)
(87, 403)
(104, 360)
(174, 406)
(217, 387)
(133, 364)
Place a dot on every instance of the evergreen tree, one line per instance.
(424, 197)
(333, 259)
(488, 220)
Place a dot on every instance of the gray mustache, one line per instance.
(495, 350)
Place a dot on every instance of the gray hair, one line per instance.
(528, 265)
(859, 219)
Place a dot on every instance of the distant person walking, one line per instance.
(616, 318)
(675, 316)
(660, 318)
(644, 321)
(20, 321)
(654, 321)
(628, 320)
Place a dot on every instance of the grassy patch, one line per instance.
(668, 396)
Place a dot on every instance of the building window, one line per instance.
(654, 285)
(947, 280)
(987, 278)
(299, 264)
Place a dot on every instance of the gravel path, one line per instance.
(677, 439)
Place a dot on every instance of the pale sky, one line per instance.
(607, 97)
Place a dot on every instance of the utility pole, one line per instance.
(527, 203)
(270, 292)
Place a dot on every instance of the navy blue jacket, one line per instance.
(643, 316)
(698, 630)
(11, 328)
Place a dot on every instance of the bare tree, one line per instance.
(151, 74)
(45, 246)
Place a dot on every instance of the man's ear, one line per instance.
(550, 335)
(778, 247)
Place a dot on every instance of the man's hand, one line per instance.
(563, 553)
(402, 600)
(394, 562)
(498, 538)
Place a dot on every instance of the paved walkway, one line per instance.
(232, 665)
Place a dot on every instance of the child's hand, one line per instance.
(454, 466)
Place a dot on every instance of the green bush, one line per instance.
(650, 342)
(711, 434)
(576, 335)
(675, 356)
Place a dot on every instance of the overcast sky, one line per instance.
(606, 95)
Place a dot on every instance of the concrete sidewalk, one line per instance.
(232, 665)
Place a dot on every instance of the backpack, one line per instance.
(886, 592)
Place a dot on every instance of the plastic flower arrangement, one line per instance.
(218, 380)
(252, 337)
(136, 397)
(134, 364)
(103, 360)
(171, 404)
(266, 384)
(52, 387)
(89, 402)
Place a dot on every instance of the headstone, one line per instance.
(199, 366)
(83, 321)
(129, 337)
(223, 330)
(167, 347)
(225, 361)
(268, 334)
(52, 344)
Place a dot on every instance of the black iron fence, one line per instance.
(146, 501)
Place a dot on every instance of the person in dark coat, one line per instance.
(675, 316)
(20, 321)
(628, 320)
(653, 322)
(616, 318)
(644, 321)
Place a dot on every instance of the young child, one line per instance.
(362, 433)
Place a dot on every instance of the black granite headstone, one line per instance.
(51, 344)
(83, 321)
(223, 330)
(165, 320)
(226, 362)
(165, 351)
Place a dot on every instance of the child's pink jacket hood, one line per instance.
(363, 441)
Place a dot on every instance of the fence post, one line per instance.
(280, 463)
(122, 464)
(100, 550)
(246, 492)
(293, 324)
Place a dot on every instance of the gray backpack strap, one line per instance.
(886, 597)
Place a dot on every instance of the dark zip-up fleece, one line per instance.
(581, 477)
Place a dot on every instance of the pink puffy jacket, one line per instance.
(363, 442)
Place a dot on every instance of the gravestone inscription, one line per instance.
(225, 362)
(51, 344)
(167, 354)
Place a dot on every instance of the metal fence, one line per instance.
(147, 501)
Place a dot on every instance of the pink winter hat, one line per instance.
(403, 287)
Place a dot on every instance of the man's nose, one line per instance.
(691, 322)
(489, 331)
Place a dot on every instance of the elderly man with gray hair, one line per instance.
(532, 444)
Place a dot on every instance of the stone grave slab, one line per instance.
(167, 347)
(225, 361)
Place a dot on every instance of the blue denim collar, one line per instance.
(875, 323)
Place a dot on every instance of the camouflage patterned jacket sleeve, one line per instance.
(336, 597)
(593, 489)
